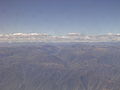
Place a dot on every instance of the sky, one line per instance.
(60, 16)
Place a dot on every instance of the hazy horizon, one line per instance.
(57, 34)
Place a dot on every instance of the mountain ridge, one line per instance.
(70, 37)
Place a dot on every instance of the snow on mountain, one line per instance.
(70, 37)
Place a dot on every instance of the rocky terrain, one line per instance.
(60, 66)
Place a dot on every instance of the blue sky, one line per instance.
(60, 16)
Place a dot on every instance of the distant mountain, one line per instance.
(70, 37)
(60, 66)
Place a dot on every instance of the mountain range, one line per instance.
(70, 37)
(60, 66)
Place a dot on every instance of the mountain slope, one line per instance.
(72, 66)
